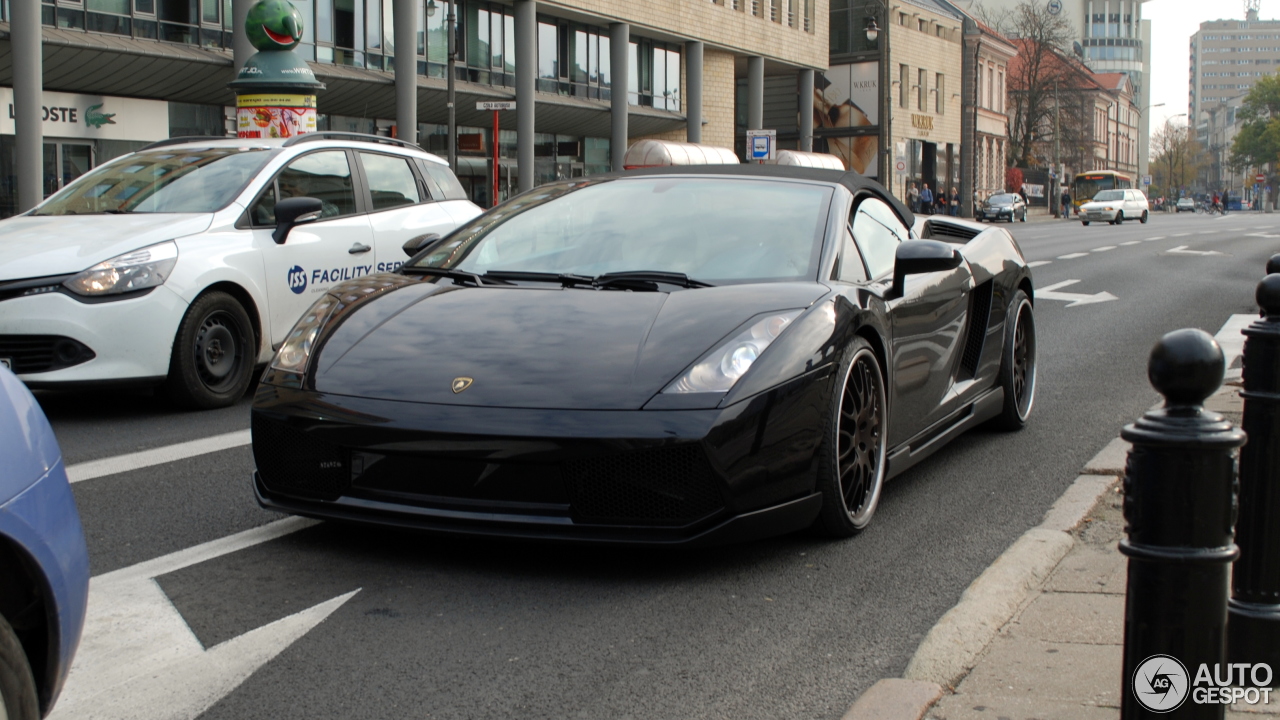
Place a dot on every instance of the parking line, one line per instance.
(1039, 263)
(1104, 248)
(156, 456)
(1072, 256)
(1132, 242)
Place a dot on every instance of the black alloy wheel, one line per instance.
(213, 354)
(852, 456)
(1018, 364)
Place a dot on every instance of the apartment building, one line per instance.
(1226, 58)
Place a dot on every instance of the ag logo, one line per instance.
(1161, 684)
(297, 279)
(460, 384)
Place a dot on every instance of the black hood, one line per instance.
(535, 347)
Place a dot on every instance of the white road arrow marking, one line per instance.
(1072, 299)
(139, 660)
(1182, 250)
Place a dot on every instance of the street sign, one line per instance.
(1146, 179)
(762, 144)
(1260, 178)
(501, 105)
(900, 166)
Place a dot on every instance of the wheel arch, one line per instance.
(245, 298)
(1025, 286)
(872, 336)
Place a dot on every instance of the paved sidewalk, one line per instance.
(1053, 647)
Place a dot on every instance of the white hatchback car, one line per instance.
(187, 262)
(1115, 206)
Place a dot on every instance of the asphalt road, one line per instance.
(792, 627)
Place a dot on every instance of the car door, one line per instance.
(927, 324)
(400, 206)
(339, 246)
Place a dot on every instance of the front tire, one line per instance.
(1084, 223)
(1018, 364)
(213, 354)
(17, 684)
(851, 459)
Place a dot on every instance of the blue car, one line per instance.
(44, 565)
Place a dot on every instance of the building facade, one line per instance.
(993, 53)
(116, 56)
(1226, 59)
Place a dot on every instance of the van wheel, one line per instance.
(213, 353)
(17, 685)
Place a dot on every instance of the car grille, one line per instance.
(294, 462)
(43, 353)
(663, 486)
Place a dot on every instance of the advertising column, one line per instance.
(275, 90)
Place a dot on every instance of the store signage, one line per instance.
(505, 105)
(95, 117)
(922, 122)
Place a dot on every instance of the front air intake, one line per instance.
(661, 486)
(293, 462)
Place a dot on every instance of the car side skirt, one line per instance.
(924, 444)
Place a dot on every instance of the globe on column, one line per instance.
(274, 25)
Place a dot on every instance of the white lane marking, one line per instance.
(1072, 256)
(1229, 337)
(1182, 250)
(1208, 232)
(138, 658)
(1104, 248)
(1261, 235)
(156, 456)
(1039, 263)
(1072, 299)
(1157, 237)
(1180, 235)
(1131, 242)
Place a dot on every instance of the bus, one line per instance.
(1088, 184)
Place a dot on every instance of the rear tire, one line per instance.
(213, 354)
(1143, 219)
(851, 458)
(1018, 364)
(17, 684)
(1084, 223)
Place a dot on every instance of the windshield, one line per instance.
(1109, 196)
(161, 181)
(1001, 200)
(717, 230)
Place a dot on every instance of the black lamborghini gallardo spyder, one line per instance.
(670, 356)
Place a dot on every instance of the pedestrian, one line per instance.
(1226, 198)
(926, 199)
(955, 202)
(1066, 203)
(913, 198)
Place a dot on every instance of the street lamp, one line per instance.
(885, 165)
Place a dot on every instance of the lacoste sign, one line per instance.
(95, 117)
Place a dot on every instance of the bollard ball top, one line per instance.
(1186, 367)
(1273, 265)
(1268, 293)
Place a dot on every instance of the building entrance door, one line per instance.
(64, 162)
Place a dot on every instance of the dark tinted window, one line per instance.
(391, 181)
(325, 176)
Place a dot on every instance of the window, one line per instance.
(922, 77)
(446, 185)
(323, 175)
(877, 231)
(391, 181)
(940, 88)
(904, 79)
(849, 267)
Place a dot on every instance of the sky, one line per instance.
(1172, 24)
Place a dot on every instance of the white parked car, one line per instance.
(187, 262)
(1115, 206)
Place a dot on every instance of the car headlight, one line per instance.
(1108, 209)
(294, 353)
(721, 368)
(137, 270)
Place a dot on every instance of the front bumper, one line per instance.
(996, 214)
(1094, 215)
(645, 477)
(130, 339)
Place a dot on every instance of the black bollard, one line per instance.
(1273, 264)
(1179, 508)
(1253, 625)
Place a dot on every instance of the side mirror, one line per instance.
(422, 242)
(921, 256)
(295, 211)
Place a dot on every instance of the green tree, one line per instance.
(1258, 142)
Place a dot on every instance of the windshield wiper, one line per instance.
(638, 277)
(565, 279)
(458, 276)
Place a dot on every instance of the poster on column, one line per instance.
(847, 97)
(275, 116)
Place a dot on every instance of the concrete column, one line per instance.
(241, 48)
(619, 105)
(755, 93)
(28, 88)
(804, 86)
(693, 91)
(406, 39)
(526, 72)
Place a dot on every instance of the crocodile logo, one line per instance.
(95, 119)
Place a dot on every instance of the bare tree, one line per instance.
(1178, 157)
(1040, 66)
